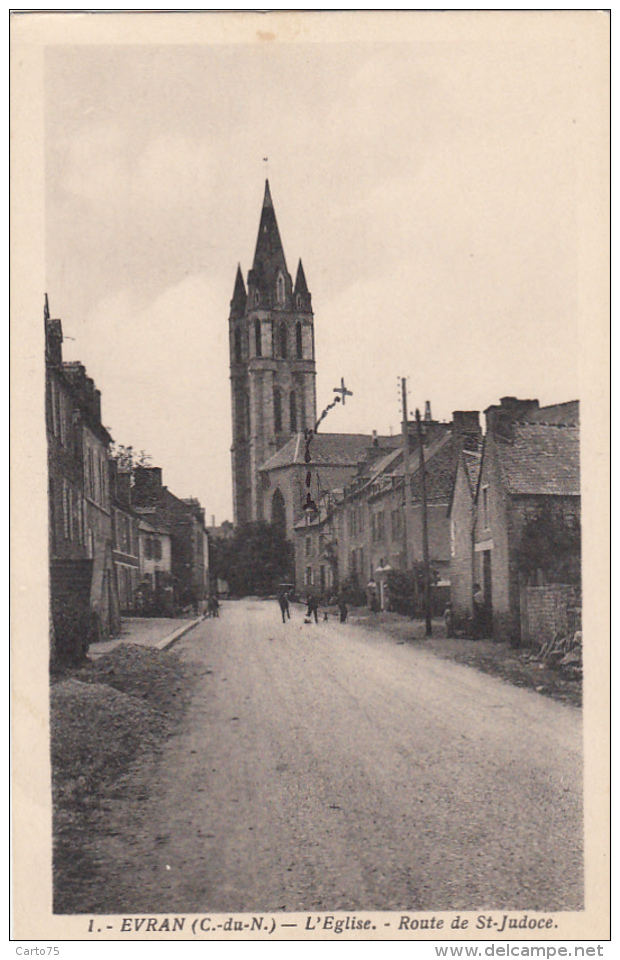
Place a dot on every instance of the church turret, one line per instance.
(237, 304)
(303, 300)
(272, 365)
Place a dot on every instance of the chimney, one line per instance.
(499, 418)
(212, 520)
(427, 411)
(466, 429)
(375, 441)
(147, 483)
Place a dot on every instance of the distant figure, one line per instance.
(448, 620)
(284, 606)
(342, 606)
(213, 607)
(313, 609)
(325, 617)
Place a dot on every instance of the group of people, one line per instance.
(313, 608)
(212, 608)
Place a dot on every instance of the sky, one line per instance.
(430, 188)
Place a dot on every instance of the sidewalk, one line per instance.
(158, 632)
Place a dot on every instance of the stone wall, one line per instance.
(549, 611)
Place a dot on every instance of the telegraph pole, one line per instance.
(405, 431)
(427, 567)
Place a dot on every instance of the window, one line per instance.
(308, 576)
(156, 548)
(280, 289)
(282, 344)
(308, 546)
(148, 548)
(65, 510)
(299, 340)
(238, 350)
(258, 338)
(277, 411)
(293, 411)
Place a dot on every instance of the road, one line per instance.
(327, 767)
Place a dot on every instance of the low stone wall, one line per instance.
(549, 611)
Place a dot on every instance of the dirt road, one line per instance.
(325, 767)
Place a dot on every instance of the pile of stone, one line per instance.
(565, 652)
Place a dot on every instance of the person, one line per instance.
(342, 606)
(284, 606)
(313, 609)
(479, 612)
(448, 620)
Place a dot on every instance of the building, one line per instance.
(184, 522)
(125, 539)
(381, 525)
(529, 478)
(83, 594)
(272, 365)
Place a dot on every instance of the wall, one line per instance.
(461, 546)
(549, 611)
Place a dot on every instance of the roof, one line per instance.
(558, 413)
(328, 450)
(542, 460)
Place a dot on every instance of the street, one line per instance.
(325, 767)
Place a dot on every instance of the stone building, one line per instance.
(272, 364)
(125, 539)
(83, 594)
(185, 521)
(529, 473)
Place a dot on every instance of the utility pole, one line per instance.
(427, 567)
(405, 431)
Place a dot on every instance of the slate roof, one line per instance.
(566, 413)
(327, 449)
(541, 460)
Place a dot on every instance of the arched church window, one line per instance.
(257, 298)
(293, 412)
(299, 341)
(278, 512)
(238, 347)
(298, 299)
(282, 344)
(280, 289)
(277, 410)
(258, 338)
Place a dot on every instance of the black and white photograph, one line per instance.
(310, 475)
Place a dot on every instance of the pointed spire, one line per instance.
(301, 286)
(46, 309)
(267, 202)
(269, 256)
(237, 304)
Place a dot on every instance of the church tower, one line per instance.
(272, 363)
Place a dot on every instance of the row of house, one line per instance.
(120, 543)
(485, 496)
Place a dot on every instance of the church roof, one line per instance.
(327, 449)
(300, 282)
(269, 254)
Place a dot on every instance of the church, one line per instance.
(273, 393)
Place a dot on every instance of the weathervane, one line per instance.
(310, 506)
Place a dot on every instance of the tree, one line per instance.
(254, 560)
(551, 544)
(127, 458)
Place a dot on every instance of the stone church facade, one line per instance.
(272, 367)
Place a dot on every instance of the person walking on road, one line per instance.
(284, 606)
(313, 608)
(342, 606)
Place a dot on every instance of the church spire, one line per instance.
(269, 259)
(237, 304)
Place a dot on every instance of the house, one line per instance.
(125, 539)
(184, 522)
(528, 483)
(83, 594)
(461, 516)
